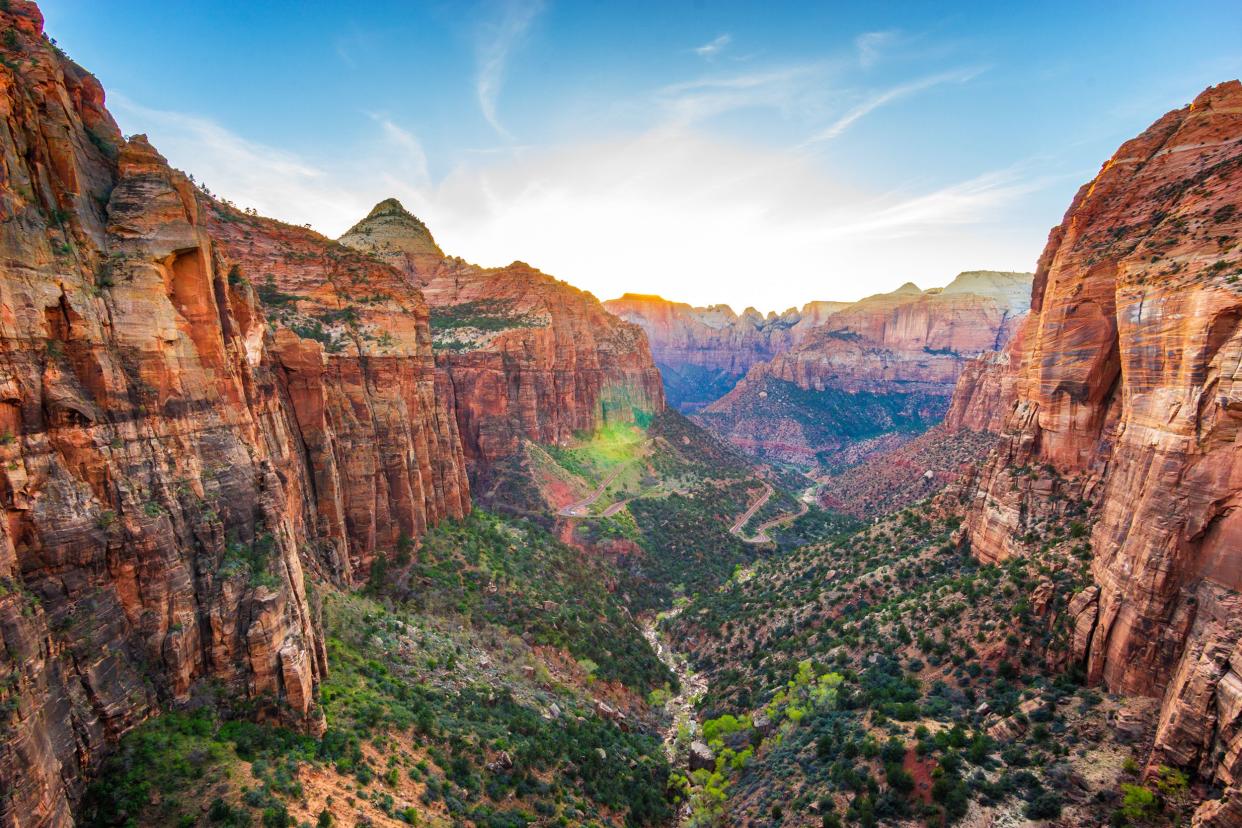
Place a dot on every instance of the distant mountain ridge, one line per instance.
(801, 385)
(703, 351)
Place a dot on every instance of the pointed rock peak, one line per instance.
(389, 228)
(390, 207)
(908, 287)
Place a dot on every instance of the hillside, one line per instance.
(228, 449)
(1053, 637)
(1125, 399)
(302, 531)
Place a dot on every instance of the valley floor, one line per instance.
(680, 641)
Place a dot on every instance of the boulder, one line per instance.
(701, 756)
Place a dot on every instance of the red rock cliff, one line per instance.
(1127, 394)
(702, 352)
(527, 356)
(907, 347)
(986, 390)
(352, 349)
(169, 469)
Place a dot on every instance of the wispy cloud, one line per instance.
(496, 43)
(413, 158)
(350, 43)
(713, 47)
(961, 203)
(871, 46)
(871, 104)
(788, 87)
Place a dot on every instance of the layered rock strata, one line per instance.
(179, 446)
(889, 362)
(703, 351)
(1127, 395)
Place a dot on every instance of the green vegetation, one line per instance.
(832, 418)
(272, 296)
(687, 542)
(167, 767)
(253, 559)
(513, 574)
(816, 526)
(431, 694)
(455, 327)
(397, 673)
(595, 455)
(898, 618)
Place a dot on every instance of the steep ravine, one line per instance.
(683, 726)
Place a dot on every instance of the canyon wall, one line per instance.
(887, 364)
(527, 357)
(986, 389)
(703, 352)
(352, 349)
(1127, 394)
(175, 457)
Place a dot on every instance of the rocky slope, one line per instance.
(528, 357)
(1127, 397)
(888, 363)
(886, 480)
(174, 461)
(703, 352)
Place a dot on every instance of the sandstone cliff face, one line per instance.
(890, 361)
(169, 468)
(352, 349)
(702, 352)
(986, 390)
(1127, 394)
(716, 337)
(527, 357)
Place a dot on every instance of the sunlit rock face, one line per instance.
(179, 445)
(526, 356)
(353, 350)
(886, 364)
(1126, 393)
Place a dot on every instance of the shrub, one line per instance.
(1045, 805)
(1138, 804)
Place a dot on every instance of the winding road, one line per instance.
(762, 535)
(581, 507)
(736, 529)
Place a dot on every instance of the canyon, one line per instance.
(305, 529)
(205, 411)
(703, 351)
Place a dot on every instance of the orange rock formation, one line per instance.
(1126, 394)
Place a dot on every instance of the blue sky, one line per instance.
(754, 154)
